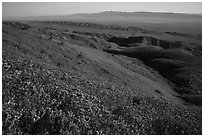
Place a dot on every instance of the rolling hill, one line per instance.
(93, 74)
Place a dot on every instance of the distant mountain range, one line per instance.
(112, 14)
(155, 21)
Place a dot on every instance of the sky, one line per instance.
(24, 9)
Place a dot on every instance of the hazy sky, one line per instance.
(21, 9)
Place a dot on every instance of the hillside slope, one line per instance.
(57, 81)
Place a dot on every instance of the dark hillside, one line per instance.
(174, 61)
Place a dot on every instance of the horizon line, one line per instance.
(165, 12)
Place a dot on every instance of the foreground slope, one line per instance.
(56, 81)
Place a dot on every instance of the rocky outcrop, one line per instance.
(146, 40)
(92, 34)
